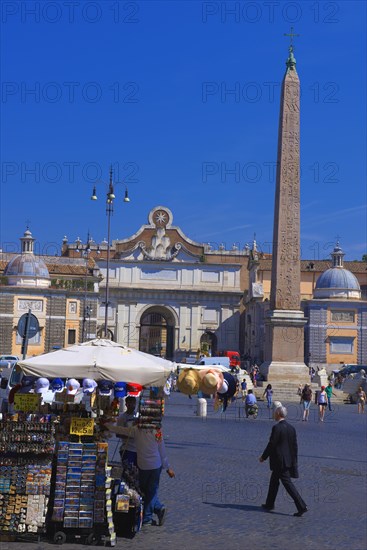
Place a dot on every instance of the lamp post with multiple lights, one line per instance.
(110, 197)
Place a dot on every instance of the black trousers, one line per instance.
(286, 480)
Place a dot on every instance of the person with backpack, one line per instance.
(306, 398)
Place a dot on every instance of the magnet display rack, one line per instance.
(82, 504)
(151, 410)
(27, 446)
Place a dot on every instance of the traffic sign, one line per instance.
(33, 325)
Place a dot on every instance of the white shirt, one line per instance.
(151, 454)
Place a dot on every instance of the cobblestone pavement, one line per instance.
(215, 499)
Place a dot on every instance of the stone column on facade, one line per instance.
(196, 327)
(133, 330)
(183, 343)
(284, 323)
(120, 313)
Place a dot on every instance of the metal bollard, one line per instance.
(202, 407)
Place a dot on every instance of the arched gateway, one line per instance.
(157, 329)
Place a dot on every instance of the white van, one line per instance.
(210, 361)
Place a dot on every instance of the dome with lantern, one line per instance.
(337, 282)
(26, 269)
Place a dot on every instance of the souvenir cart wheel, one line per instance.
(93, 539)
(59, 537)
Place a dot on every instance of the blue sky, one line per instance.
(183, 99)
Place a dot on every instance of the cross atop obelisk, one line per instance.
(291, 35)
(284, 325)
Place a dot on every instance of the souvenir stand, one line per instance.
(27, 445)
(87, 495)
(53, 471)
(81, 506)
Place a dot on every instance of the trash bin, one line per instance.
(202, 406)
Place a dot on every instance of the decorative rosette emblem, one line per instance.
(161, 218)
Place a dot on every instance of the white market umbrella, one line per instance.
(100, 360)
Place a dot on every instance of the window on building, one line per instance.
(73, 307)
(209, 315)
(102, 311)
(341, 344)
(31, 341)
(71, 336)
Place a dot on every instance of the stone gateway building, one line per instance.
(169, 295)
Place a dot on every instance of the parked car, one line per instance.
(351, 369)
(8, 361)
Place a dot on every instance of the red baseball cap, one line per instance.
(134, 389)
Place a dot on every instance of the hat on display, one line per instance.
(230, 380)
(224, 387)
(27, 381)
(228, 389)
(120, 389)
(41, 385)
(89, 385)
(189, 381)
(27, 384)
(72, 386)
(57, 385)
(134, 389)
(211, 380)
(105, 387)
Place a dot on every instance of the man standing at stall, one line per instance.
(126, 420)
(151, 458)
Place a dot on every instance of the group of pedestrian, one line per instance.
(323, 400)
(145, 448)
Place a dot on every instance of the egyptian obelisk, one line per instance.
(284, 323)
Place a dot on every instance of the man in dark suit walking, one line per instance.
(282, 450)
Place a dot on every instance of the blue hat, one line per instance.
(57, 385)
(120, 389)
(105, 387)
(89, 385)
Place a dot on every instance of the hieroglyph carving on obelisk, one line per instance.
(285, 287)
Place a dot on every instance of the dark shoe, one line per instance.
(300, 513)
(266, 507)
(161, 515)
(152, 523)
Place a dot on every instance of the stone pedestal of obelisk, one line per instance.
(284, 324)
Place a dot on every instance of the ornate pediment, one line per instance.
(160, 247)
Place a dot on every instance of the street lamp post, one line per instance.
(110, 197)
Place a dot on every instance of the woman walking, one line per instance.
(269, 395)
(322, 402)
(306, 398)
(361, 400)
